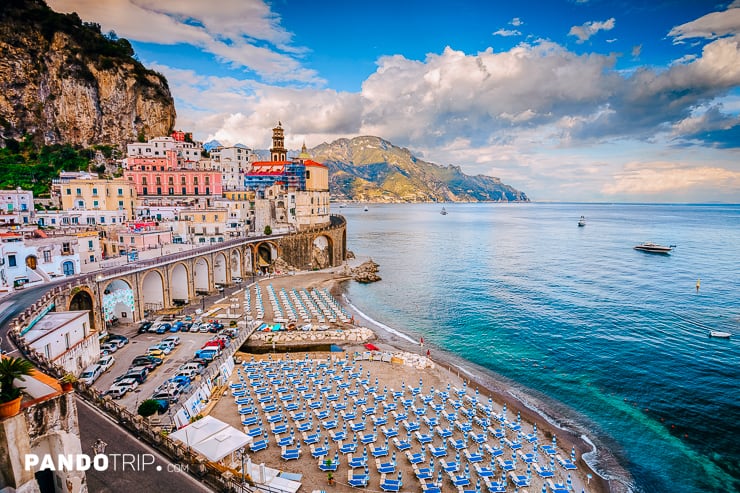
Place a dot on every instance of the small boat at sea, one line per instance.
(581, 222)
(366, 209)
(719, 334)
(443, 211)
(654, 247)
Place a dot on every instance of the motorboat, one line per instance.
(719, 334)
(443, 211)
(654, 248)
(581, 222)
(366, 209)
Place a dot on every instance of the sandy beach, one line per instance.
(443, 369)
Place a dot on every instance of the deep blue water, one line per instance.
(617, 335)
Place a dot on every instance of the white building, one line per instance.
(234, 163)
(30, 260)
(66, 339)
(187, 152)
(16, 207)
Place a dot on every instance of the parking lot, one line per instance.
(138, 344)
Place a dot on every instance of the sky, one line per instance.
(566, 100)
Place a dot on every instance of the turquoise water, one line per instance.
(617, 335)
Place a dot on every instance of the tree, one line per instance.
(148, 408)
(10, 369)
(268, 230)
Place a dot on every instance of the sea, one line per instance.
(617, 340)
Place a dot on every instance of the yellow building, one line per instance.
(99, 195)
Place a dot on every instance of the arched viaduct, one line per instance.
(131, 292)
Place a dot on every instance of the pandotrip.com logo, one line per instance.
(98, 462)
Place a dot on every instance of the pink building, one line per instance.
(164, 177)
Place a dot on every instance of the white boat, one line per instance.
(366, 209)
(720, 334)
(581, 222)
(654, 248)
(443, 211)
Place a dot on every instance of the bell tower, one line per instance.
(278, 151)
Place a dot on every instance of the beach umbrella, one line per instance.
(421, 383)
(573, 454)
(439, 478)
(364, 452)
(467, 470)
(569, 482)
(534, 429)
(529, 471)
(554, 441)
(552, 463)
(544, 488)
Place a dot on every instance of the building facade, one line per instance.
(16, 207)
(66, 339)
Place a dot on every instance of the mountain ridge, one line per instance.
(372, 169)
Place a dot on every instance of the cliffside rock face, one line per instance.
(61, 81)
(374, 170)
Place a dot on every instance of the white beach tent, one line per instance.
(212, 438)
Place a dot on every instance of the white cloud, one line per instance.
(668, 177)
(507, 32)
(588, 29)
(710, 26)
(516, 22)
(242, 33)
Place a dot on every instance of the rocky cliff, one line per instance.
(62, 81)
(374, 170)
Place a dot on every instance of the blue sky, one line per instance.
(582, 100)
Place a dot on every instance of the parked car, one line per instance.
(237, 280)
(144, 326)
(90, 374)
(156, 352)
(204, 327)
(171, 395)
(121, 387)
(198, 368)
(139, 373)
(200, 361)
(123, 340)
(106, 362)
(208, 354)
(195, 327)
(163, 327)
(164, 405)
(189, 373)
(144, 358)
(173, 339)
(108, 348)
(176, 326)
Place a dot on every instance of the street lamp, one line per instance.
(243, 456)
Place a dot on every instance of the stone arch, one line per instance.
(201, 275)
(83, 299)
(322, 252)
(220, 267)
(179, 285)
(118, 300)
(152, 291)
(236, 263)
(267, 253)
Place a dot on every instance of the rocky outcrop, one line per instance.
(62, 81)
(366, 272)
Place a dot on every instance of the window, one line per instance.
(120, 204)
(95, 191)
(171, 191)
(81, 204)
(47, 351)
(66, 340)
(11, 261)
(143, 180)
(195, 180)
(182, 180)
(208, 191)
(159, 180)
(170, 181)
(120, 191)
(184, 191)
(95, 204)
(79, 191)
(208, 180)
(144, 191)
(102, 219)
(159, 190)
(66, 250)
(133, 240)
(92, 258)
(90, 244)
(69, 191)
(195, 191)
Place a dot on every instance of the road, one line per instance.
(132, 465)
(139, 473)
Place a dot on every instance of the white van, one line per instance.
(90, 374)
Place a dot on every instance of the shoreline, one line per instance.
(608, 475)
(597, 461)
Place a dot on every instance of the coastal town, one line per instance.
(267, 380)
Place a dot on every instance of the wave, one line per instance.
(379, 324)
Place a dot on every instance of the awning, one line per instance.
(371, 347)
(212, 438)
